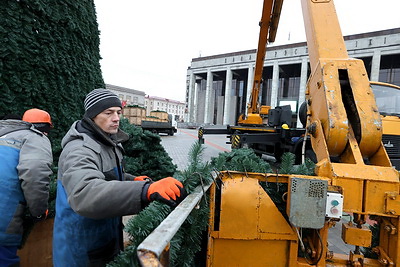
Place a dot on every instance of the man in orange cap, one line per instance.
(25, 161)
(39, 118)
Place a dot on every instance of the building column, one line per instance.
(375, 66)
(303, 85)
(195, 100)
(275, 84)
(208, 104)
(192, 81)
(250, 81)
(228, 92)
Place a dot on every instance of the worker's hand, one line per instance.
(168, 190)
(142, 178)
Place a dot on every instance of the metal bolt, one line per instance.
(312, 128)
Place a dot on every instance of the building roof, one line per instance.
(285, 46)
(164, 99)
(124, 89)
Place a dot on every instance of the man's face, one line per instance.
(108, 120)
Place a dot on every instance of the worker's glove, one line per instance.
(168, 190)
(142, 178)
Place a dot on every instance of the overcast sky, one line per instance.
(148, 45)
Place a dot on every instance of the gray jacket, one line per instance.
(93, 178)
(25, 161)
(35, 160)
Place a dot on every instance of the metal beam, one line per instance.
(150, 250)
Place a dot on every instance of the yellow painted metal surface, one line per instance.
(268, 25)
(243, 128)
(389, 240)
(356, 236)
(343, 261)
(264, 110)
(392, 203)
(247, 229)
(364, 186)
(252, 119)
(324, 36)
(249, 253)
(324, 91)
(391, 125)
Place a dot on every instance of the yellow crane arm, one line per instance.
(341, 101)
(268, 28)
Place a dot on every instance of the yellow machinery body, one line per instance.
(247, 229)
(391, 124)
(343, 122)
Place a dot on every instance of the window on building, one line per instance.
(266, 86)
(368, 65)
(390, 69)
(289, 81)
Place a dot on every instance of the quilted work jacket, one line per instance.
(25, 167)
(93, 192)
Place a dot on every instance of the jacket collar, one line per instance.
(8, 126)
(87, 126)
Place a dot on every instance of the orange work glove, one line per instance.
(142, 178)
(168, 190)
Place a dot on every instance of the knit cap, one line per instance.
(99, 100)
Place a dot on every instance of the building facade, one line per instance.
(176, 108)
(128, 96)
(150, 103)
(218, 87)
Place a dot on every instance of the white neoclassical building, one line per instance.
(219, 86)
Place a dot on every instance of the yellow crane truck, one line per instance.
(261, 127)
(354, 174)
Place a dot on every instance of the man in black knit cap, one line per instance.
(94, 192)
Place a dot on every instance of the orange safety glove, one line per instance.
(142, 178)
(168, 190)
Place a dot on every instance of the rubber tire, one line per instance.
(303, 114)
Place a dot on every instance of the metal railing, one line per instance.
(150, 251)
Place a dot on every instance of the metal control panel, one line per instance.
(334, 205)
(307, 202)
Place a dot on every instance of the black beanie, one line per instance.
(99, 100)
